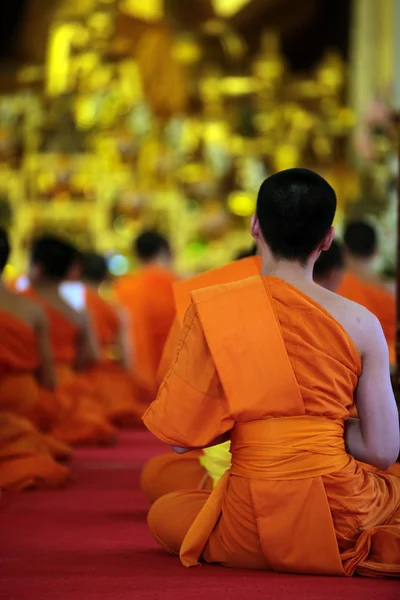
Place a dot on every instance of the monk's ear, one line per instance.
(255, 227)
(328, 239)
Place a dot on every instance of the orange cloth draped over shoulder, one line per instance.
(116, 383)
(148, 298)
(376, 299)
(170, 471)
(279, 373)
(25, 454)
(234, 271)
(75, 412)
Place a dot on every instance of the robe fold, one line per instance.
(279, 373)
(26, 456)
(148, 299)
(377, 300)
(75, 410)
(171, 471)
(121, 404)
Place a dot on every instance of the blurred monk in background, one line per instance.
(148, 299)
(203, 468)
(25, 363)
(329, 268)
(78, 415)
(246, 253)
(273, 364)
(360, 282)
(112, 373)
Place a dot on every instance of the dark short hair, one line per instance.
(94, 267)
(360, 239)
(54, 255)
(150, 244)
(246, 253)
(295, 209)
(4, 249)
(329, 260)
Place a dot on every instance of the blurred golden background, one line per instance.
(121, 114)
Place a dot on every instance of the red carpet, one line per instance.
(90, 542)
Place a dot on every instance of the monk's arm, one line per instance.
(191, 410)
(374, 438)
(88, 348)
(45, 374)
(124, 345)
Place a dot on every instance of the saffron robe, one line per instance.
(169, 472)
(148, 298)
(75, 410)
(117, 384)
(26, 456)
(279, 373)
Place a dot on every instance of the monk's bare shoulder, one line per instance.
(357, 320)
(24, 309)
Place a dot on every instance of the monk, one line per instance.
(273, 364)
(148, 299)
(360, 283)
(75, 411)
(26, 459)
(201, 469)
(112, 374)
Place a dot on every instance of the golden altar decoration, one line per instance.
(132, 129)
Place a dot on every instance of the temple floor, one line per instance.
(90, 542)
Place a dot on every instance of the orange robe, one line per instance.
(278, 373)
(169, 472)
(117, 385)
(148, 298)
(234, 271)
(75, 412)
(25, 454)
(376, 299)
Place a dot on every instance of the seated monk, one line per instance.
(148, 299)
(112, 373)
(360, 283)
(75, 411)
(203, 468)
(273, 364)
(25, 454)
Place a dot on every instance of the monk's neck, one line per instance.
(292, 272)
(361, 267)
(160, 263)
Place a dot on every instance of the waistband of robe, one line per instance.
(287, 448)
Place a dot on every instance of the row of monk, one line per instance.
(275, 391)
